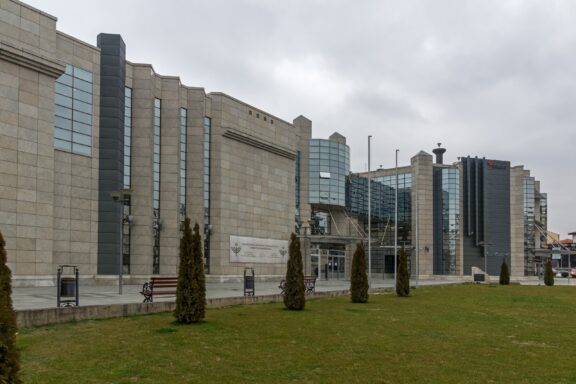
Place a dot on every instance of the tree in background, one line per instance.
(403, 276)
(294, 290)
(191, 289)
(9, 356)
(504, 274)
(548, 274)
(358, 276)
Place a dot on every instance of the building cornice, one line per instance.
(259, 143)
(27, 59)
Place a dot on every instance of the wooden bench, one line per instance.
(159, 286)
(309, 284)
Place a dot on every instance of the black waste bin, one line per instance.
(249, 282)
(68, 287)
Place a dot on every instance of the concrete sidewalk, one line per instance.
(45, 297)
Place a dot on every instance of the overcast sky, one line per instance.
(489, 78)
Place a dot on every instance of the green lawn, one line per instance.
(448, 334)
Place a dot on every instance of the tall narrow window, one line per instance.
(298, 221)
(127, 209)
(156, 224)
(207, 229)
(182, 167)
(73, 111)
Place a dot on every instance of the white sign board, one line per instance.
(255, 250)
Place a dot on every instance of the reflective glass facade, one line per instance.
(73, 111)
(206, 183)
(329, 165)
(156, 185)
(529, 227)
(382, 191)
(182, 163)
(450, 219)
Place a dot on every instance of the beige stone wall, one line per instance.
(147, 85)
(517, 221)
(76, 176)
(27, 73)
(252, 189)
(422, 211)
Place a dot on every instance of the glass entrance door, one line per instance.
(336, 267)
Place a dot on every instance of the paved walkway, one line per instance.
(45, 297)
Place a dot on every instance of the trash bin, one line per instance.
(67, 286)
(249, 282)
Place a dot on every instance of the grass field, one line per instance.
(447, 334)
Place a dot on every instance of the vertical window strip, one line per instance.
(156, 225)
(297, 192)
(182, 170)
(127, 208)
(73, 111)
(206, 184)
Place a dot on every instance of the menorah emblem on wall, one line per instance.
(236, 249)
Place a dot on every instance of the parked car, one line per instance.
(561, 272)
(573, 272)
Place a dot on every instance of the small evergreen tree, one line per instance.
(294, 290)
(548, 274)
(9, 356)
(403, 276)
(358, 276)
(191, 289)
(504, 274)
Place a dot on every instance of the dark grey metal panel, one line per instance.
(496, 204)
(111, 172)
(486, 214)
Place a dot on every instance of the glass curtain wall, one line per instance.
(73, 111)
(329, 165)
(450, 219)
(529, 227)
(382, 190)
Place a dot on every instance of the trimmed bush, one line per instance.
(191, 289)
(402, 275)
(294, 290)
(504, 274)
(548, 274)
(358, 276)
(9, 356)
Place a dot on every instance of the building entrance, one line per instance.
(331, 263)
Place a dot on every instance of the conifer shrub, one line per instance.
(358, 276)
(504, 273)
(9, 355)
(402, 275)
(548, 274)
(191, 289)
(294, 290)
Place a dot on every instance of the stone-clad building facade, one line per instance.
(80, 123)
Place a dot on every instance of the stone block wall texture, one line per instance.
(252, 180)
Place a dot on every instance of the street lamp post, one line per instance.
(396, 222)
(369, 220)
(119, 196)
